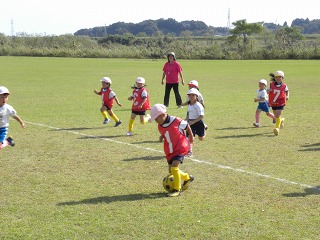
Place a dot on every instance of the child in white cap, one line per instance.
(140, 103)
(195, 117)
(108, 96)
(172, 129)
(5, 111)
(278, 96)
(263, 105)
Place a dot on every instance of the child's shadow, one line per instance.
(307, 191)
(119, 198)
(310, 147)
(146, 158)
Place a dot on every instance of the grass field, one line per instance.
(71, 177)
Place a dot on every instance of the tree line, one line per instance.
(175, 28)
(244, 41)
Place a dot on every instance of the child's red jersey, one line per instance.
(138, 99)
(277, 96)
(175, 142)
(106, 98)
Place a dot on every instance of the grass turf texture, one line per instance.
(74, 178)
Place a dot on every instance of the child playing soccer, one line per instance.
(262, 99)
(5, 111)
(108, 96)
(140, 103)
(172, 130)
(195, 117)
(278, 95)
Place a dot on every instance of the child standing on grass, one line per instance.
(172, 130)
(262, 99)
(108, 96)
(195, 117)
(5, 111)
(278, 95)
(140, 103)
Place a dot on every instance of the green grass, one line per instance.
(70, 177)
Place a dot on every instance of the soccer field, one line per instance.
(71, 177)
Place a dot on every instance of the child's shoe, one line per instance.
(175, 193)
(129, 134)
(118, 123)
(276, 131)
(186, 184)
(106, 121)
(256, 125)
(11, 142)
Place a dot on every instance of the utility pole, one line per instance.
(12, 31)
(228, 23)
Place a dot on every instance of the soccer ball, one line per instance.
(167, 183)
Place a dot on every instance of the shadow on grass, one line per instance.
(120, 198)
(243, 136)
(310, 147)
(146, 158)
(307, 191)
(153, 141)
(101, 137)
(76, 129)
(237, 128)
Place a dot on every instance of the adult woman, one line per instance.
(171, 71)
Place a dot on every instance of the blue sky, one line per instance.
(67, 16)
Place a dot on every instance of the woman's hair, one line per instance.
(272, 78)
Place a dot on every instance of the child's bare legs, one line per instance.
(271, 115)
(131, 122)
(103, 110)
(114, 117)
(257, 123)
(279, 121)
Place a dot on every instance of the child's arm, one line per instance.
(195, 120)
(130, 98)
(143, 102)
(117, 101)
(190, 134)
(16, 117)
(287, 95)
(259, 100)
(96, 92)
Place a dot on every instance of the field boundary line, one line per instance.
(190, 158)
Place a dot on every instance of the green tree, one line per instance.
(288, 36)
(244, 30)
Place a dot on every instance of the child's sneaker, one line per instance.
(175, 193)
(11, 142)
(282, 122)
(186, 184)
(256, 125)
(106, 121)
(149, 118)
(118, 123)
(189, 154)
(129, 134)
(276, 131)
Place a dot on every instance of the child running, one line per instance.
(195, 117)
(262, 99)
(140, 103)
(175, 145)
(278, 95)
(5, 111)
(108, 96)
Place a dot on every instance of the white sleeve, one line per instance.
(112, 94)
(144, 94)
(183, 125)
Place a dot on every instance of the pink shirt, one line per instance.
(172, 71)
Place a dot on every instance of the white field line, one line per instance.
(190, 158)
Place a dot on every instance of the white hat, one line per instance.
(193, 91)
(106, 80)
(279, 74)
(172, 54)
(140, 80)
(264, 82)
(157, 110)
(4, 90)
(193, 83)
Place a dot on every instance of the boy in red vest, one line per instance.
(140, 103)
(108, 96)
(172, 130)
